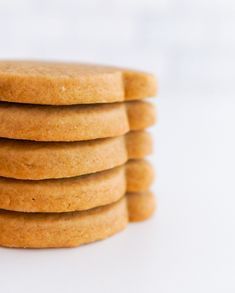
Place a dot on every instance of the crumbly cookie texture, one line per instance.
(73, 123)
(45, 160)
(77, 193)
(38, 230)
(50, 83)
(141, 205)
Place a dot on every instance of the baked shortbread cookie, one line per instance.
(45, 160)
(73, 123)
(38, 230)
(48, 83)
(141, 205)
(77, 193)
(139, 144)
(139, 174)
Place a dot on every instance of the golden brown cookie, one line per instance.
(139, 174)
(61, 229)
(76, 193)
(73, 123)
(48, 83)
(141, 205)
(140, 114)
(45, 160)
(139, 144)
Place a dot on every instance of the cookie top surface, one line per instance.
(52, 83)
(52, 69)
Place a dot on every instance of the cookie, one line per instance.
(140, 114)
(48, 83)
(38, 230)
(140, 175)
(138, 144)
(45, 160)
(141, 205)
(73, 123)
(77, 193)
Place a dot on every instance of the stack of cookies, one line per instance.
(72, 148)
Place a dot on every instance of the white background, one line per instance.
(189, 246)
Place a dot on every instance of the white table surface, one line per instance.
(189, 246)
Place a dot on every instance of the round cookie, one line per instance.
(76, 193)
(63, 195)
(139, 144)
(35, 82)
(73, 123)
(141, 205)
(139, 174)
(140, 114)
(61, 230)
(45, 160)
